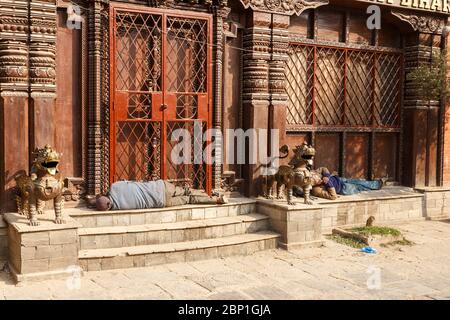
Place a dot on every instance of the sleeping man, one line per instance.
(130, 195)
(328, 186)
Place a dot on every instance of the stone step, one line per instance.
(89, 218)
(146, 234)
(141, 256)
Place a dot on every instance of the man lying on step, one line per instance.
(130, 195)
(329, 186)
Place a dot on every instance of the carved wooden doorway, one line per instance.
(160, 82)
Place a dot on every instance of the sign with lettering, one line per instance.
(438, 6)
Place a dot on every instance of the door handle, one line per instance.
(163, 106)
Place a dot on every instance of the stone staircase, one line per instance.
(138, 238)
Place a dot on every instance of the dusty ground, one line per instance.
(334, 271)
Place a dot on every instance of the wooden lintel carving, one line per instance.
(171, 3)
(288, 7)
(421, 23)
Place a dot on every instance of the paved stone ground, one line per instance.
(334, 271)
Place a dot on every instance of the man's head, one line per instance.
(103, 203)
(326, 179)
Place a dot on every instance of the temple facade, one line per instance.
(107, 83)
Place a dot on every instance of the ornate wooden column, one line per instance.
(42, 53)
(277, 78)
(14, 142)
(256, 96)
(445, 122)
(220, 13)
(96, 96)
(266, 44)
(420, 118)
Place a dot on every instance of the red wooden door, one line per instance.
(160, 82)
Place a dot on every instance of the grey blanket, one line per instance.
(128, 195)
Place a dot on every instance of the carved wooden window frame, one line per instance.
(343, 131)
(314, 96)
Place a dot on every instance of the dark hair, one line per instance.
(103, 203)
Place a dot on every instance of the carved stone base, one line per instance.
(303, 225)
(299, 226)
(230, 183)
(42, 252)
(74, 192)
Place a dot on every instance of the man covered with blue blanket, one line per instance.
(131, 195)
(329, 186)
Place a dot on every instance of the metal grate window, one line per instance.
(138, 51)
(160, 83)
(330, 86)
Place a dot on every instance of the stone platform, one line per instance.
(333, 272)
(98, 240)
(436, 202)
(137, 238)
(303, 225)
(46, 251)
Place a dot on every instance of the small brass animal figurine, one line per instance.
(370, 221)
(43, 184)
(297, 173)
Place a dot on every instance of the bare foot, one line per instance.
(222, 199)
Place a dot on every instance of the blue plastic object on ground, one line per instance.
(368, 250)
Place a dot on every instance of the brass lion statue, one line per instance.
(297, 173)
(43, 184)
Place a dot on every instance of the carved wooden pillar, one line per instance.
(14, 141)
(42, 54)
(220, 13)
(103, 162)
(445, 124)
(420, 118)
(266, 44)
(256, 96)
(277, 79)
(420, 125)
(94, 114)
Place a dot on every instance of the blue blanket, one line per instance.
(129, 195)
(354, 186)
